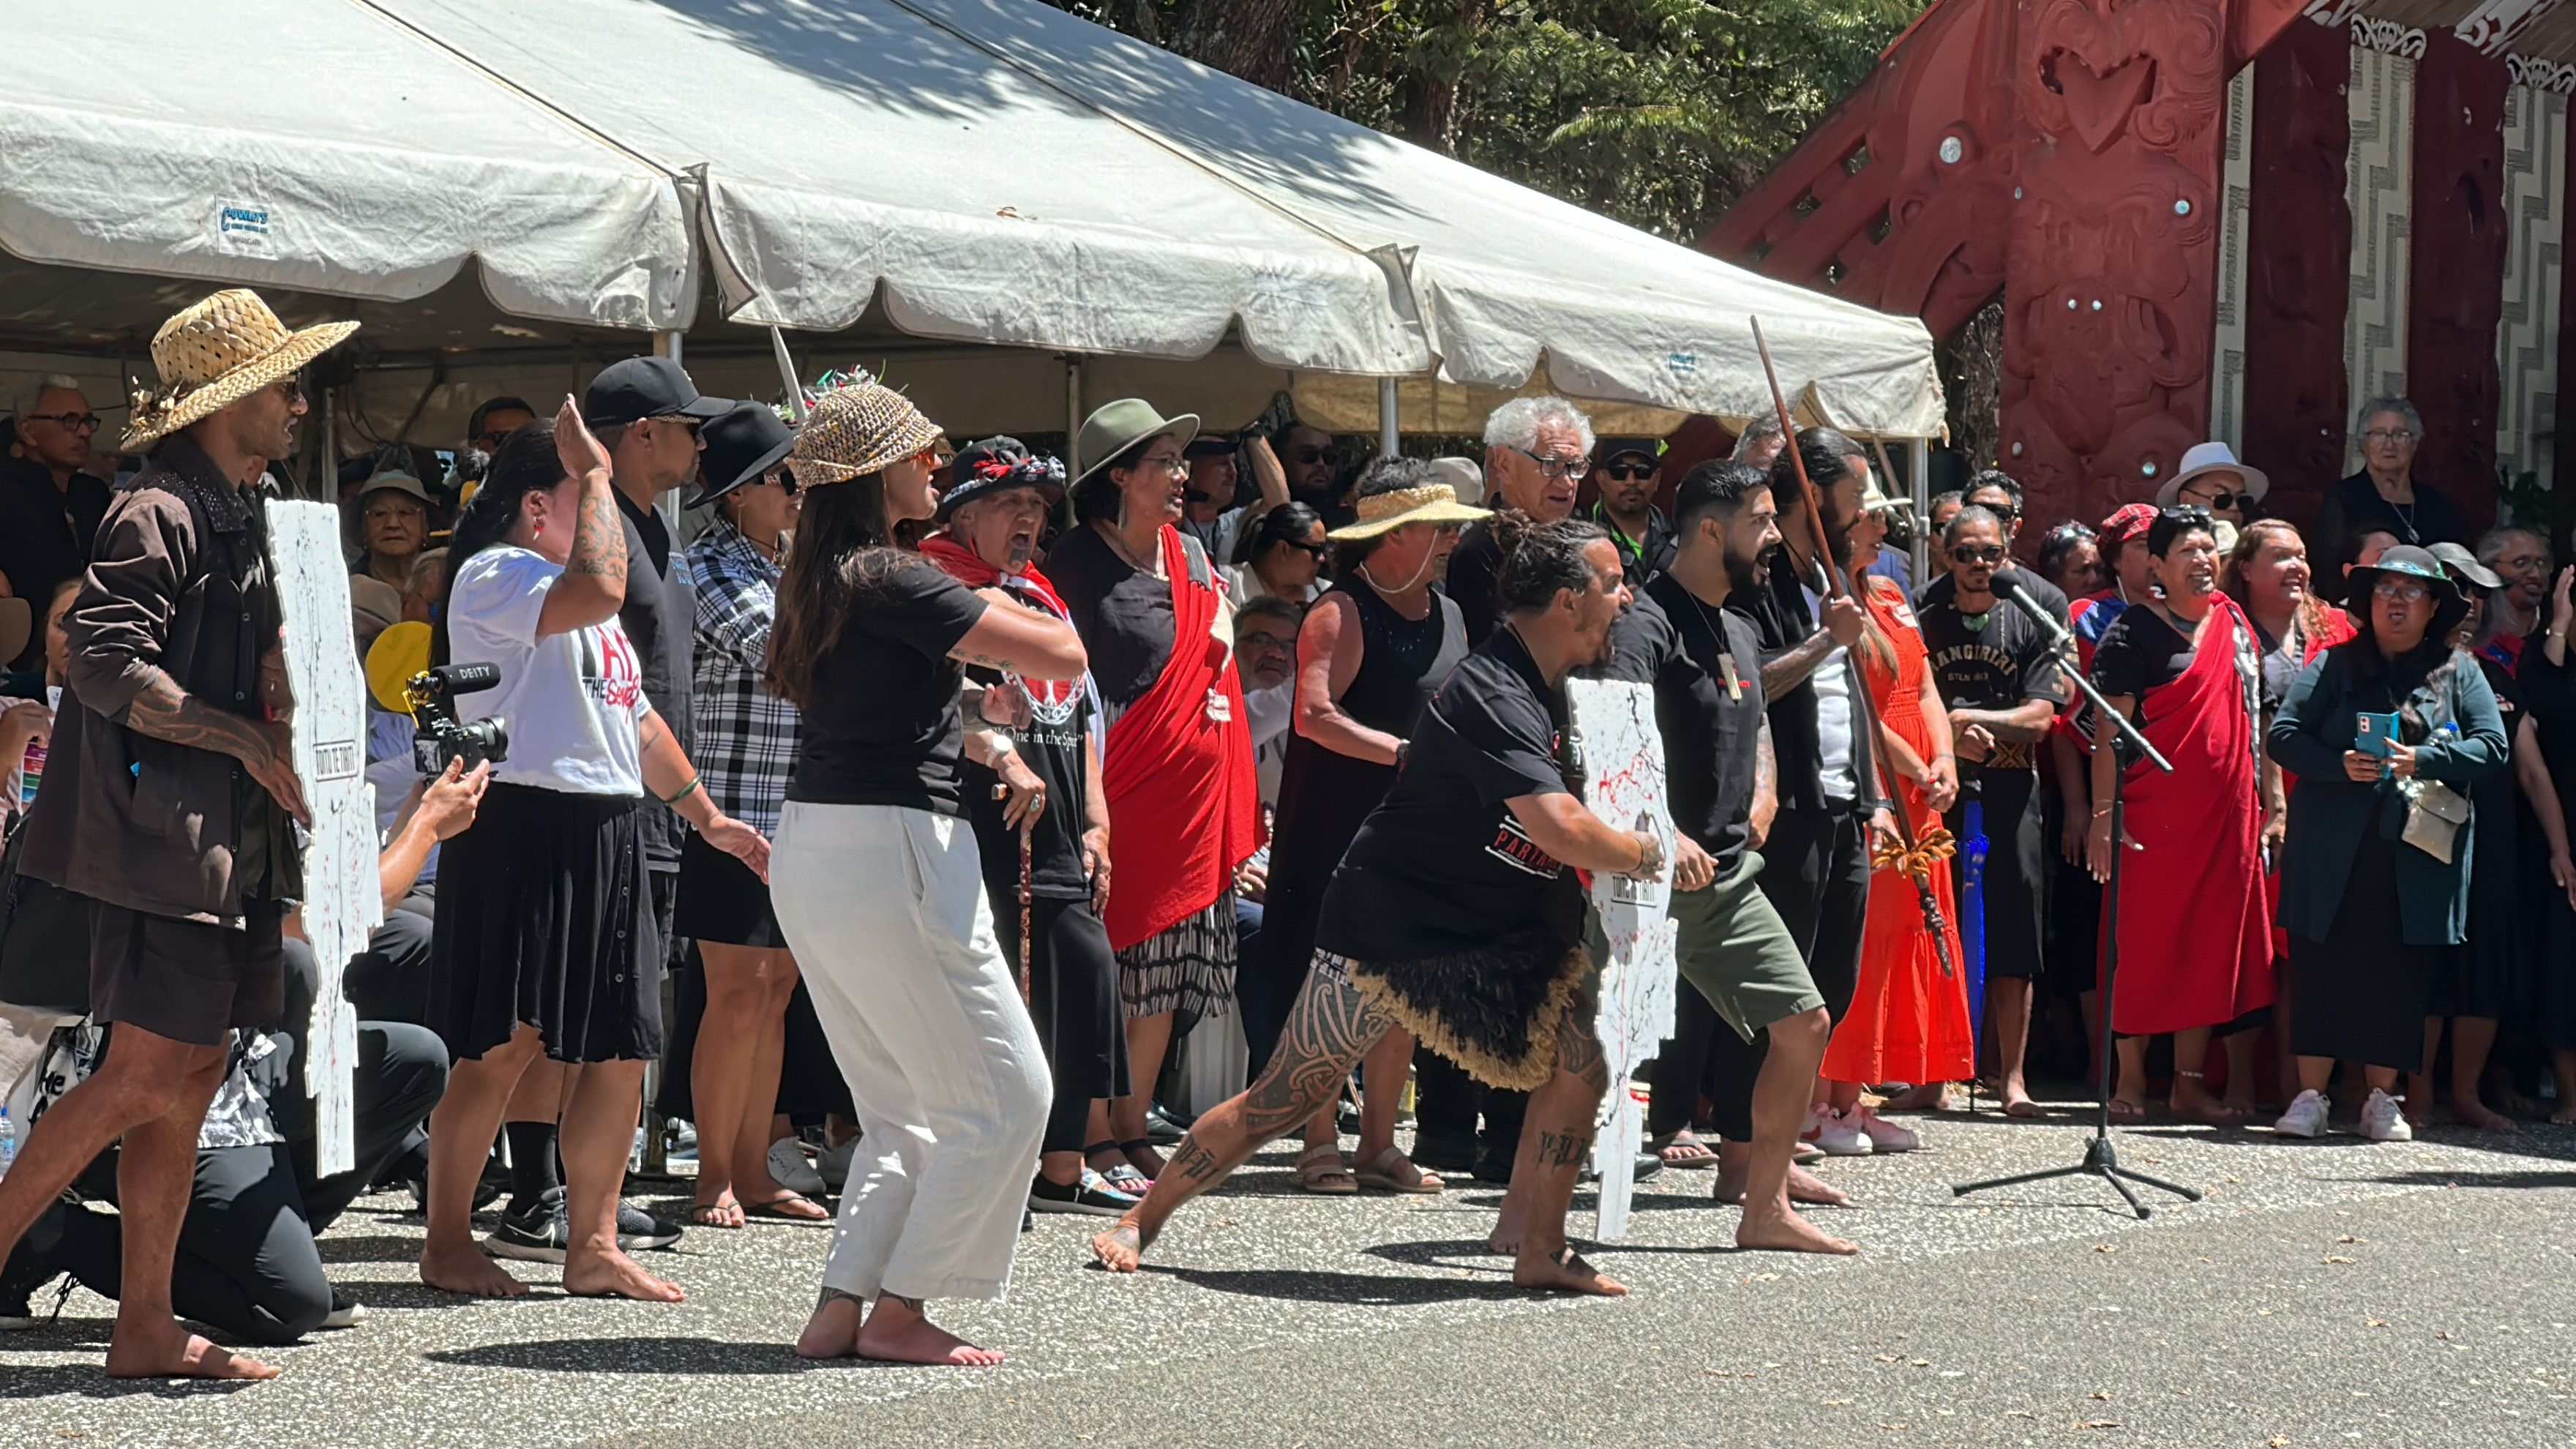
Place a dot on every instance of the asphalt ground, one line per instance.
(2335, 1292)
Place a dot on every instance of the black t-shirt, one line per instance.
(1708, 705)
(1994, 660)
(1475, 566)
(883, 728)
(1642, 645)
(2139, 652)
(660, 617)
(1777, 610)
(1052, 744)
(1123, 614)
(1441, 866)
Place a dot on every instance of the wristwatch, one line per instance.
(1002, 744)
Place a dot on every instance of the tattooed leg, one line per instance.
(1329, 1029)
(1556, 1141)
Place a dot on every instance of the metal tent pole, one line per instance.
(1387, 428)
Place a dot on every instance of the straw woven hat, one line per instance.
(1384, 512)
(216, 353)
(857, 429)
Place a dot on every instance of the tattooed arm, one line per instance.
(593, 585)
(1766, 787)
(1030, 643)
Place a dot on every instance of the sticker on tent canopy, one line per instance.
(242, 230)
(1684, 363)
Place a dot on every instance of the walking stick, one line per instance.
(1024, 911)
(1912, 856)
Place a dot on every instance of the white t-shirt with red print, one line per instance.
(571, 701)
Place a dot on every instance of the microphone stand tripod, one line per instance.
(2101, 1159)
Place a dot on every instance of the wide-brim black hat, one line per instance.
(997, 465)
(2450, 603)
(742, 444)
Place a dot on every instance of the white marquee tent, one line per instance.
(981, 193)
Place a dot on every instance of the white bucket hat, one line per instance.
(2211, 458)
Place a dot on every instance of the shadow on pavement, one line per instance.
(637, 1355)
(1364, 1289)
(90, 1381)
(2427, 1177)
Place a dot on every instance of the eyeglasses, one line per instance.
(1310, 456)
(2221, 502)
(490, 439)
(1985, 553)
(2390, 435)
(2400, 591)
(1574, 467)
(1625, 471)
(69, 422)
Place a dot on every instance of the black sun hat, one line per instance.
(2450, 604)
(741, 446)
(997, 465)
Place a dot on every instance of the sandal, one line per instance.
(1141, 1157)
(1121, 1176)
(1392, 1171)
(715, 1215)
(775, 1210)
(1682, 1149)
(1332, 1181)
(2124, 1111)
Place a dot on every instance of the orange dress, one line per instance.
(1908, 1020)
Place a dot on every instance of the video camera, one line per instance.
(442, 737)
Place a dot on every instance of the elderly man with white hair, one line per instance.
(49, 507)
(1537, 450)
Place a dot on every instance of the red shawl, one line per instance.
(2195, 937)
(1180, 784)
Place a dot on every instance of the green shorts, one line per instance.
(1738, 952)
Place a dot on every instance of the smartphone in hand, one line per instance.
(2374, 733)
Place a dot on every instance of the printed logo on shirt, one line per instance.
(1513, 847)
(609, 670)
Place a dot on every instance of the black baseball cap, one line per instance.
(1211, 445)
(646, 387)
(741, 447)
(1652, 449)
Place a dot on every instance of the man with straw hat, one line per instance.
(170, 796)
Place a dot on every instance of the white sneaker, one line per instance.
(1886, 1136)
(2306, 1117)
(1840, 1135)
(833, 1163)
(789, 1169)
(2383, 1121)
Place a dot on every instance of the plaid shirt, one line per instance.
(746, 736)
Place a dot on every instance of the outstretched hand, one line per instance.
(578, 451)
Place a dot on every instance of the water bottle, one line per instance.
(8, 1140)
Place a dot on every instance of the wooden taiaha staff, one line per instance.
(1026, 896)
(1916, 856)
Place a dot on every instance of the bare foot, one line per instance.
(464, 1269)
(1121, 1248)
(1804, 1186)
(1564, 1272)
(2210, 1110)
(833, 1331)
(1506, 1236)
(1786, 1232)
(614, 1275)
(895, 1334)
(2470, 1112)
(2018, 1103)
(1926, 1097)
(1144, 1159)
(164, 1350)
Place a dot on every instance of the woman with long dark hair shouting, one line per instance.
(880, 888)
(545, 938)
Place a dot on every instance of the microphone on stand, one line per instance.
(2007, 585)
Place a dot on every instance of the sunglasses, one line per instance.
(1624, 471)
(70, 422)
(1320, 550)
(2221, 502)
(692, 424)
(1308, 457)
(1984, 553)
(2005, 511)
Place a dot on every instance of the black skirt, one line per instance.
(2362, 994)
(545, 919)
(722, 901)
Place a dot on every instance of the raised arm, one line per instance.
(1268, 475)
(593, 586)
(1330, 650)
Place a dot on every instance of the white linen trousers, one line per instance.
(884, 907)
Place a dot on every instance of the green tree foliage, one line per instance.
(1656, 112)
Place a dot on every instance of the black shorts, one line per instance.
(722, 901)
(190, 981)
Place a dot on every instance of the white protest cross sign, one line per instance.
(1623, 769)
(342, 902)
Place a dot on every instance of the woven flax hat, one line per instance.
(856, 429)
(216, 353)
